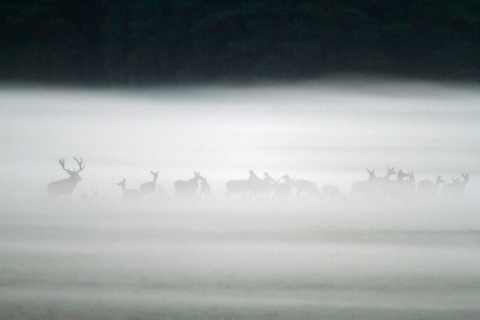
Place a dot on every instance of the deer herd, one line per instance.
(394, 184)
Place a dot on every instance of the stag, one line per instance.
(65, 187)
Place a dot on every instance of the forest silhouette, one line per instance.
(147, 42)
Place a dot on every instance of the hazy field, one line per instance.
(347, 258)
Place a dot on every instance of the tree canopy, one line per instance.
(149, 41)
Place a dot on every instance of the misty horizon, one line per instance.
(315, 130)
(349, 246)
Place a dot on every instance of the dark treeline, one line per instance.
(151, 41)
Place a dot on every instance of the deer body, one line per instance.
(455, 188)
(149, 187)
(428, 189)
(128, 194)
(205, 188)
(394, 188)
(261, 186)
(237, 186)
(332, 191)
(65, 187)
(187, 188)
(241, 186)
(368, 186)
(390, 172)
(410, 187)
(381, 180)
(306, 186)
(282, 190)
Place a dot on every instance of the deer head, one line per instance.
(391, 171)
(122, 183)
(465, 177)
(73, 173)
(411, 177)
(371, 174)
(155, 175)
(268, 178)
(401, 175)
(440, 180)
(197, 175)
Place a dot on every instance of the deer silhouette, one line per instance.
(390, 172)
(394, 188)
(241, 186)
(368, 187)
(261, 186)
(65, 187)
(380, 182)
(410, 188)
(268, 179)
(428, 189)
(86, 197)
(332, 192)
(187, 188)
(128, 194)
(456, 188)
(283, 190)
(149, 187)
(306, 186)
(205, 188)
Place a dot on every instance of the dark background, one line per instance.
(148, 41)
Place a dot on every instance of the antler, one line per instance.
(80, 168)
(62, 163)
